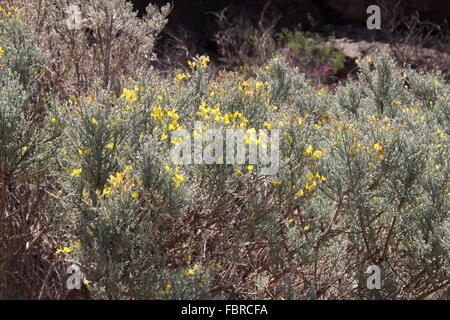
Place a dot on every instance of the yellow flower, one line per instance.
(317, 154)
(167, 168)
(168, 286)
(204, 61)
(53, 120)
(86, 283)
(310, 187)
(250, 168)
(76, 172)
(190, 272)
(217, 266)
(238, 171)
(178, 179)
(267, 125)
(163, 137)
(308, 150)
(25, 148)
(306, 228)
(111, 146)
(106, 191)
(93, 120)
(129, 95)
(83, 152)
(135, 195)
(275, 183)
(378, 147)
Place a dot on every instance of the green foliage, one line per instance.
(310, 51)
(363, 179)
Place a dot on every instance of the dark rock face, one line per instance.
(193, 12)
(355, 10)
(197, 18)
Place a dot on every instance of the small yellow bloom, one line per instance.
(111, 146)
(250, 168)
(53, 120)
(267, 125)
(378, 147)
(135, 195)
(308, 150)
(190, 272)
(275, 183)
(178, 179)
(86, 283)
(93, 120)
(25, 148)
(76, 172)
(238, 171)
(317, 154)
(106, 191)
(306, 228)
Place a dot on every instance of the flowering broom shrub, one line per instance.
(363, 180)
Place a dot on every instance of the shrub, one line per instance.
(363, 180)
(109, 43)
(27, 145)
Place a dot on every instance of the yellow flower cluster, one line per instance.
(203, 61)
(171, 123)
(76, 172)
(75, 244)
(9, 11)
(255, 89)
(167, 290)
(314, 181)
(120, 181)
(177, 178)
(227, 118)
(309, 151)
(130, 94)
(182, 76)
(193, 270)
